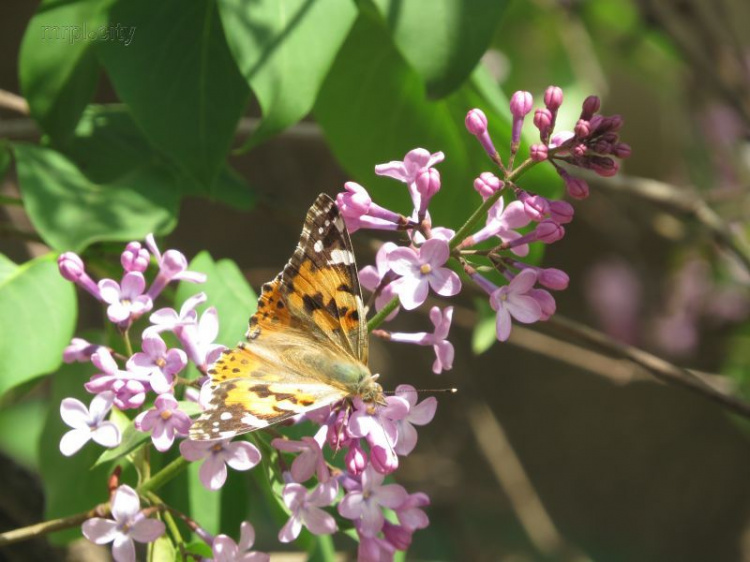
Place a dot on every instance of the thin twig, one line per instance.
(659, 368)
(681, 200)
(46, 527)
(9, 100)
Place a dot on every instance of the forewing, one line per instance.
(320, 283)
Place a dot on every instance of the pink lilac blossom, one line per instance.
(422, 269)
(129, 388)
(304, 507)
(167, 319)
(502, 221)
(79, 351)
(158, 364)
(126, 300)
(359, 211)
(88, 423)
(224, 549)
(378, 424)
(165, 421)
(309, 461)
(414, 163)
(419, 414)
(172, 267)
(444, 351)
(240, 455)
(72, 269)
(371, 278)
(128, 524)
(366, 498)
(513, 300)
(135, 257)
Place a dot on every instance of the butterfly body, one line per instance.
(306, 344)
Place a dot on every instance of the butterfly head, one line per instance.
(370, 391)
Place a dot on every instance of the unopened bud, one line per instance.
(590, 106)
(548, 231)
(538, 152)
(561, 211)
(553, 98)
(476, 122)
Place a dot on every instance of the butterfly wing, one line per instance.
(308, 325)
(320, 282)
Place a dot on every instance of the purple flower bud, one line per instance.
(536, 207)
(487, 183)
(476, 122)
(356, 458)
(71, 266)
(428, 184)
(552, 278)
(546, 302)
(355, 201)
(595, 124)
(582, 129)
(604, 166)
(602, 147)
(548, 231)
(538, 152)
(72, 269)
(383, 460)
(579, 150)
(577, 188)
(590, 106)
(621, 150)
(135, 258)
(173, 263)
(553, 98)
(521, 103)
(79, 350)
(615, 122)
(397, 535)
(543, 121)
(561, 211)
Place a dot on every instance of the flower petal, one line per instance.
(73, 440)
(123, 549)
(434, 252)
(100, 405)
(132, 285)
(109, 291)
(195, 450)
(422, 413)
(147, 530)
(404, 261)
(524, 308)
(522, 282)
(99, 531)
(247, 536)
(318, 521)
(125, 503)
(74, 413)
(242, 455)
(412, 291)
(444, 282)
(502, 324)
(213, 472)
(291, 529)
(391, 495)
(107, 435)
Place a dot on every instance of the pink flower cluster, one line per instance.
(515, 219)
(373, 437)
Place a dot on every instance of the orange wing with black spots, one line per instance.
(306, 343)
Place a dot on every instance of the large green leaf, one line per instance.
(284, 48)
(108, 144)
(58, 69)
(70, 484)
(70, 211)
(227, 290)
(179, 80)
(388, 114)
(37, 321)
(443, 40)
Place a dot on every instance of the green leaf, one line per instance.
(442, 41)
(108, 144)
(70, 485)
(4, 159)
(58, 69)
(199, 548)
(484, 335)
(227, 290)
(37, 322)
(179, 80)
(162, 550)
(7, 267)
(70, 211)
(20, 430)
(284, 49)
(391, 106)
(204, 503)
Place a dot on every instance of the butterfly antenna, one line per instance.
(427, 390)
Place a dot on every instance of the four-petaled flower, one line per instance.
(415, 162)
(309, 461)
(157, 363)
(240, 455)
(419, 414)
(444, 351)
(304, 506)
(130, 524)
(225, 549)
(88, 423)
(364, 501)
(378, 425)
(164, 421)
(421, 270)
(126, 301)
(514, 300)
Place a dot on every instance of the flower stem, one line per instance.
(46, 527)
(163, 476)
(380, 317)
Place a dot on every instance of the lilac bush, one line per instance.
(160, 383)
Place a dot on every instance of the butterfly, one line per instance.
(307, 343)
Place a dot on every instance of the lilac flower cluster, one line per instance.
(514, 219)
(373, 437)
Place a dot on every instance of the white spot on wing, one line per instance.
(318, 246)
(341, 257)
(226, 416)
(339, 222)
(249, 419)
